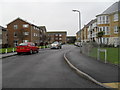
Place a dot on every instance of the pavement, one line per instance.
(8, 54)
(106, 74)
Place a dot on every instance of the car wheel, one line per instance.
(37, 51)
(31, 51)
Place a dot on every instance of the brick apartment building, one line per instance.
(43, 35)
(59, 36)
(20, 31)
(3, 37)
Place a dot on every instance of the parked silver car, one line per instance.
(56, 45)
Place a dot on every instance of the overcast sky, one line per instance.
(54, 14)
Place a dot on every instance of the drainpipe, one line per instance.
(31, 33)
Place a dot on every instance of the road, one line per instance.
(47, 69)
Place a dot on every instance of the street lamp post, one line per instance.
(79, 17)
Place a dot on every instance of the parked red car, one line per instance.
(27, 47)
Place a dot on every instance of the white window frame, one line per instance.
(104, 19)
(60, 35)
(26, 33)
(107, 31)
(115, 29)
(104, 29)
(15, 34)
(25, 41)
(116, 17)
(15, 26)
(107, 19)
(60, 38)
(56, 34)
(25, 25)
(34, 34)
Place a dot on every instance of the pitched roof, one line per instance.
(23, 21)
(18, 19)
(2, 28)
(112, 9)
(78, 32)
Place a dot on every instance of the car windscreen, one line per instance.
(23, 44)
(55, 43)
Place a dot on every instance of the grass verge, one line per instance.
(112, 55)
(3, 50)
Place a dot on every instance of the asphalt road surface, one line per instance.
(47, 69)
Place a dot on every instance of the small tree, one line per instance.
(99, 35)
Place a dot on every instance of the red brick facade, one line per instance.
(22, 31)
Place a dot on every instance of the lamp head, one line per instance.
(75, 10)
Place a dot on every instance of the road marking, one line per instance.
(113, 85)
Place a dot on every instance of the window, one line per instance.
(116, 17)
(32, 44)
(15, 34)
(100, 20)
(34, 27)
(60, 38)
(100, 29)
(60, 34)
(56, 34)
(107, 31)
(116, 40)
(103, 29)
(15, 43)
(23, 44)
(115, 29)
(103, 19)
(37, 28)
(26, 33)
(0, 41)
(15, 26)
(0, 31)
(25, 25)
(107, 19)
(34, 34)
(25, 41)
